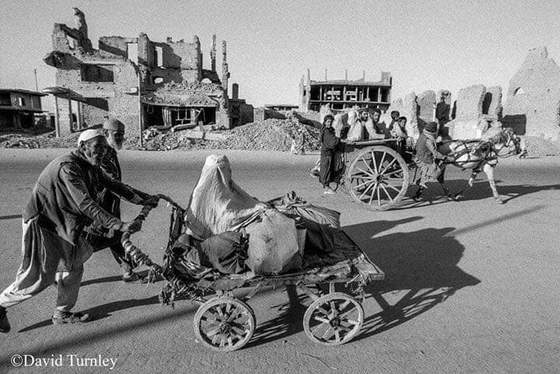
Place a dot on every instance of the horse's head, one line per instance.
(506, 140)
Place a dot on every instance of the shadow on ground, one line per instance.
(479, 191)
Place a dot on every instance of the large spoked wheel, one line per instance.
(377, 178)
(224, 324)
(333, 319)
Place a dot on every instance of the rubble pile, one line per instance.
(272, 135)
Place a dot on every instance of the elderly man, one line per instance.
(62, 203)
(98, 236)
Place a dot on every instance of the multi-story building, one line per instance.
(341, 94)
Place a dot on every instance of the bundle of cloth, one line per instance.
(230, 231)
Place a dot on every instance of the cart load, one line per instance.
(230, 231)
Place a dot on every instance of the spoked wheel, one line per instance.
(377, 178)
(224, 324)
(333, 319)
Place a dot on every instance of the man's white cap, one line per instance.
(89, 134)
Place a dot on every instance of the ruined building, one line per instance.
(341, 94)
(142, 82)
(533, 98)
(18, 108)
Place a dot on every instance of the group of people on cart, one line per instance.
(361, 125)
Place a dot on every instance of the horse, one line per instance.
(482, 156)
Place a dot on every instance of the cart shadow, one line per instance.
(289, 321)
(420, 268)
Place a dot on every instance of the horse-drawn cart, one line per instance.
(225, 322)
(376, 175)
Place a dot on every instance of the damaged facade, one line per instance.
(139, 81)
(19, 108)
(342, 94)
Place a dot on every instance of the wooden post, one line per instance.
(140, 114)
(56, 118)
(80, 122)
(70, 115)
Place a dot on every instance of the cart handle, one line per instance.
(134, 252)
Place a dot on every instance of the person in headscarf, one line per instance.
(62, 203)
(430, 163)
(98, 236)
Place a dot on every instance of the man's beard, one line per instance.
(116, 146)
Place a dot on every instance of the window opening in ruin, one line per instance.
(21, 101)
(384, 95)
(132, 52)
(518, 91)
(35, 101)
(97, 73)
(158, 80)
(5, 99)
(159, 56)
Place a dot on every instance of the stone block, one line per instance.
(469, 102)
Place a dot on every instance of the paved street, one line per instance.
(472, 286)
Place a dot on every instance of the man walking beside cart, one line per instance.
(98, 236)
(63, 202)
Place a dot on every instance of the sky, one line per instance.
(424, 44)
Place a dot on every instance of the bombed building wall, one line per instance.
(533, 98)
(115, 79)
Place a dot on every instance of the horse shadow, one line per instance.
(421, 271)
(481, 189)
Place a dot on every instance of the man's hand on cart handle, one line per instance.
(131, 227)
(152, 201)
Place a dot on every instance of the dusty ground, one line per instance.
(471, 286)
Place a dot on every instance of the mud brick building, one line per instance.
(341, 94)
(18, 108)
(142, 82)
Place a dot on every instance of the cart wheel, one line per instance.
(377, 178)
(224, 324)
(333, 319)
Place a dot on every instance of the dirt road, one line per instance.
(471, 286)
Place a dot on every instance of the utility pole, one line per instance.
(36, 83)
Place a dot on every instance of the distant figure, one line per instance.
(331, 160)
(442, 113)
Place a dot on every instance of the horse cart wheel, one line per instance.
(333, 319)
(377, 178)
(224, 324)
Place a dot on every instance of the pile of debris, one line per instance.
(272, 135)
(269, 135)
